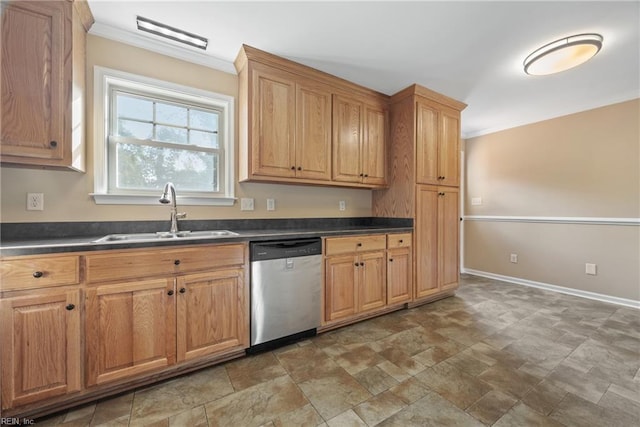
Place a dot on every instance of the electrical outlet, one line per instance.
(342, 205)
(475, 201)
(35, 201)
(271, 204)
(246, 204)
(514, 258)
(591, 269)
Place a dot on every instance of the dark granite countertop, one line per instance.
(48, 238)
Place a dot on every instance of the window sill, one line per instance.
(136, 199)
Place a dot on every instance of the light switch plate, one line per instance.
(271, 204)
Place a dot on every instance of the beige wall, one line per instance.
(67, 193)
(582, 165)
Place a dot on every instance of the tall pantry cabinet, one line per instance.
(423, 177)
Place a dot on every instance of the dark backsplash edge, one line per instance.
(54, 230)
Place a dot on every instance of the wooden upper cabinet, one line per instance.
(359, 142)
(375, 145)
(43, 80)
(449, 150)
(437, 145)
(40, 341)
(273, 128)
(300, 125)
(313, 132)
(347, 139)
(291, 127)
(426, 144)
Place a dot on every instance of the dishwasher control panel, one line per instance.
(261, 251)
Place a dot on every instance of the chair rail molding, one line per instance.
(555, 219)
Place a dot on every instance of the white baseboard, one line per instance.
(548, 287)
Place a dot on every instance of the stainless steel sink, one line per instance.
(164, 235)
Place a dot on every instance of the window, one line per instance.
(150, 132)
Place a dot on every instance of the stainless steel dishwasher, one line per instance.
(286, 282)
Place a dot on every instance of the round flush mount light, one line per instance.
(563, 54)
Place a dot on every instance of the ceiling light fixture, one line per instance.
(163, 30)
(563, 54)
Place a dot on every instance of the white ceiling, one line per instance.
(468, 50)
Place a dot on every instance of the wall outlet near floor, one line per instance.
(342, 205)
(35, 201)
(271, 204)
(475, 201)
(246, 204)
(591, 269)
(513, 258)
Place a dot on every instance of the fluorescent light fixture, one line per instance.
(163, 30)
(563, 54)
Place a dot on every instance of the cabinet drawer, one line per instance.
(38, 272)
(343, 245)
(159, 262)
(402, 240)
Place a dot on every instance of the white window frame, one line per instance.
(104, 80)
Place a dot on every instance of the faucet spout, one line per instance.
(169, 196)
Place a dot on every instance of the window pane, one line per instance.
(134, 108)
(171, 134)
(141, 167)
(171, 114)
(203, 139)
(134, 129)
(204, 120)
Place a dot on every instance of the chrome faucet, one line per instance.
(175, 216)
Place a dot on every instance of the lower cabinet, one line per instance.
(80, 326)
(366, 274)
(130, 329)
(399, 268)
(141, 325)
(212, 313)
(437, 230)
(354, 284)
(40, 342)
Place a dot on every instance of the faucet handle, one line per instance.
(181, 215)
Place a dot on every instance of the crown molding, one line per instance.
(165, 48)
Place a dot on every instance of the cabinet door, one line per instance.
(449, 149)
(372, 286)
(33, 76)
(427, 122)
(399, 275)
(130, 329)
(448, 238)
(40, 340)
(313, 133)
(347, 139)
(426, 241)
(374, 146)
(273, 124)
(212, 313)
(340, 287)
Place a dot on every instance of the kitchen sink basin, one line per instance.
(164, 235)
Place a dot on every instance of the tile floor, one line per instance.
(495, 354)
